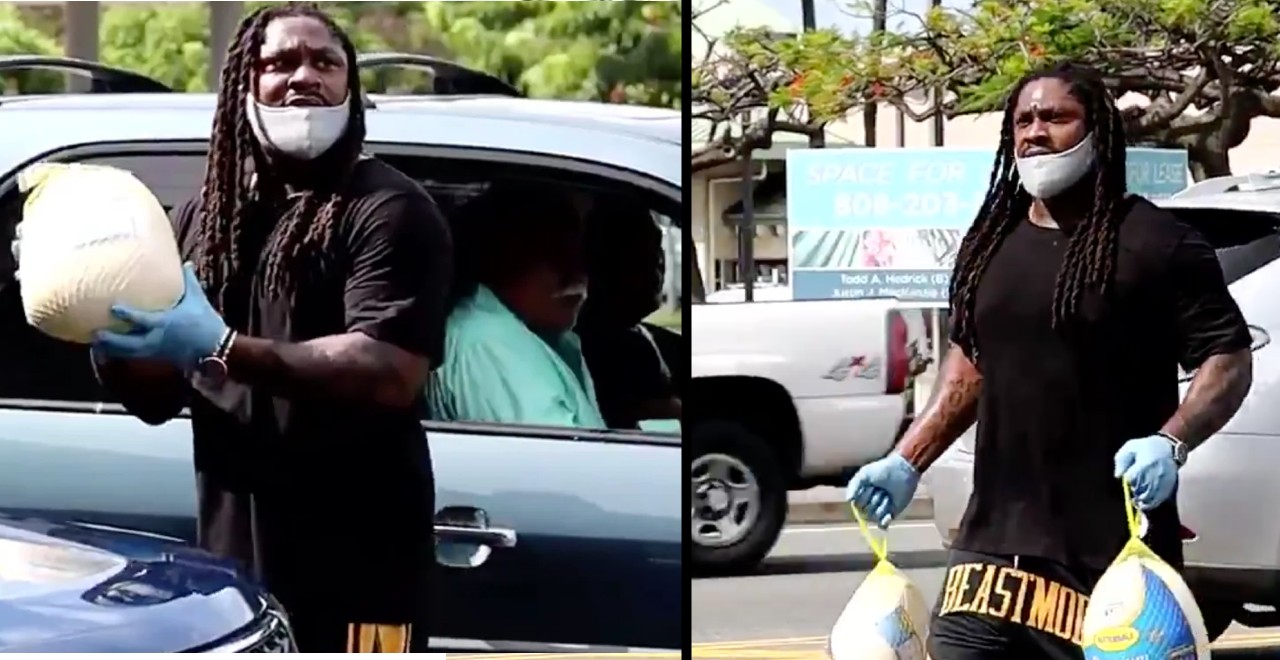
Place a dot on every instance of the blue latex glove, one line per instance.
(182, 336)
(1148, 465)
(882, 489)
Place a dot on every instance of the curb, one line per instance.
(809, 513)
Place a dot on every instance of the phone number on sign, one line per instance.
(916, 205)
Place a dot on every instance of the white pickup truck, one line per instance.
(791, 395)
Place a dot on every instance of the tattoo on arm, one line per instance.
(1216, 392)
(952, 409)
(352, 367)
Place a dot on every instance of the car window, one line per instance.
(454, 184)
(172, 178)
(670, 314)
(34, 366)
(1244, 240)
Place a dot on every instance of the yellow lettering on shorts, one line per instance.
(377, 638)
(982, 599)
(961, 605)
(1044, 605)
(1006, 596)
(1023, 577)
(1066, 614)
(950, 590)
(1082, 604)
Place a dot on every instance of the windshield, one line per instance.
(1244, 240)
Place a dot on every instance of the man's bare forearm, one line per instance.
(1216, 392)
(952, 409)
(350, 367)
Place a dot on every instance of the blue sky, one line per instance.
(835, 13)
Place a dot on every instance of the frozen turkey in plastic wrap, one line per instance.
(92, 236)
(1141, 607)
(886, 619)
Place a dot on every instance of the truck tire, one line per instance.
(739, 497)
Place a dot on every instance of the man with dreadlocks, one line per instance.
(1073, 305)
(313, 312)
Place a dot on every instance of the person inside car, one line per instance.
(627, 264)
(511, 355)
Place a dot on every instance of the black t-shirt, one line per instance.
(330, 503)
(1057, 405)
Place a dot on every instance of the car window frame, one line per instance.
(669, 192)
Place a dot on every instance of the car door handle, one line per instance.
(494, 537)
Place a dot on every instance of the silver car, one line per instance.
(593, 517)
(1232, 546)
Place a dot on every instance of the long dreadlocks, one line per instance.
(1089, 263)
(307, 228)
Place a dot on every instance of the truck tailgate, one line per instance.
(816, 349)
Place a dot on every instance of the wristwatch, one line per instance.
(214, 367)
(1179, 448)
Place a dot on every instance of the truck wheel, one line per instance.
(738, 495)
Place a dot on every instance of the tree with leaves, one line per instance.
(621, 52)
(17, 38)
(1206, 69)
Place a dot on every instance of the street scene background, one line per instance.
(603, 52)
(814, 125)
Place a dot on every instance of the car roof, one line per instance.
(641, 139)
(1261, 201)
(1258, 192)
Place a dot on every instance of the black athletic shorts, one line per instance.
(1010, 608)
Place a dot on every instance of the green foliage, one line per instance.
(1151, 47)
(627, 52)
(18, 39)
(165, 42)
(617, 51)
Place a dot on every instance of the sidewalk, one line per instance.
(826, 504)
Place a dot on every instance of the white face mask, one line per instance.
(302, 132)
(1048, 175)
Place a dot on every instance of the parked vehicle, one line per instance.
(76, 588)
(760, 293)
(1232, 545)
(791, 394)
(592, 518)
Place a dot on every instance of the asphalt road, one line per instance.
(784, 610)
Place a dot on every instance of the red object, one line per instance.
(878, 249)
(898, 368)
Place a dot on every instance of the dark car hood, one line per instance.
(75, 588)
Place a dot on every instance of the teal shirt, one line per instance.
(498, 370)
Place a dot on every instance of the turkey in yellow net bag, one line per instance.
(886, 619)
(91, 236)
(1141, 608)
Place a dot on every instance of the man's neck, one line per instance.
(1064, 211)
(290, 176)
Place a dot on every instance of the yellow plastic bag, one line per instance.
(1141, 607)
(91, 236)
(886, 619)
